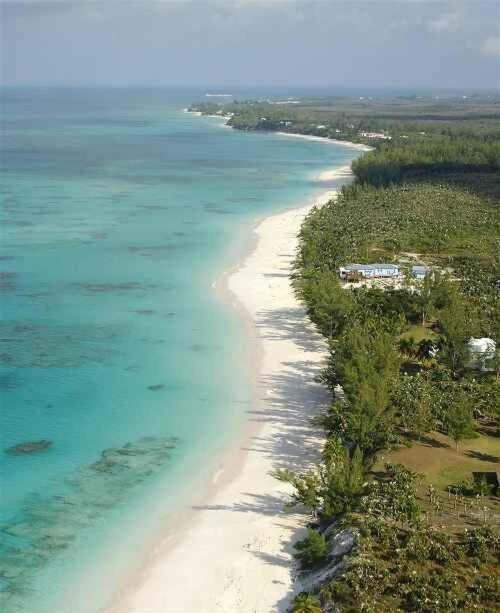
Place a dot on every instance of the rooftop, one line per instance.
(355, 267)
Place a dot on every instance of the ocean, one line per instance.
(118, 213)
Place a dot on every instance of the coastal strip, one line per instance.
(225, 118)
(324, 139)
(236, 552)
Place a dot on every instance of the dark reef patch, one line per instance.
(35, 295)
(154, 207)
(8, 381)
(7, 281)
(153, 250)
(197, 347)
(156, 388)
(115, 287)
(29, 447)
(48, 524)
(217, 210)
(47, 345)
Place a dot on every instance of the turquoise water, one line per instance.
(118, 212)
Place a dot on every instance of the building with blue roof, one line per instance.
(369, 271)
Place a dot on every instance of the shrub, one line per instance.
(394, 497)
(480, 543)
(306, 603)
(311, 550)
(472, 487)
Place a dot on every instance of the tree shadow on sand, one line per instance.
(288, 324)
(288, 400)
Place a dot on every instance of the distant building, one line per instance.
(368, 271)
(481, 351)
(419, 272)
(379, 135)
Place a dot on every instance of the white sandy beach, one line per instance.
(236, 554)
(324, 139)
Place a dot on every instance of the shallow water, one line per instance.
(118, 212)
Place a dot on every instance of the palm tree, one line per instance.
(306, 603)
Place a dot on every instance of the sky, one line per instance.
(279, 43)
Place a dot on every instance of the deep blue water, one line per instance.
(118, 212)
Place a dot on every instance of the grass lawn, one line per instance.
(418, 332)
(436, 458)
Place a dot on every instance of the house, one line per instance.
(419, 272)
(379, 135)
(353, 272)
(481, 350)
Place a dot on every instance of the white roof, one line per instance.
(482, 345)
(355, 267)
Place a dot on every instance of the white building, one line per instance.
(369, 271)
(481, 351)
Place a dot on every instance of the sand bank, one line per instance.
(235, 556)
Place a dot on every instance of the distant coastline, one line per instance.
(335, 141)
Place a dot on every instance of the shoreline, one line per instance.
(324, 139)
(239, 537)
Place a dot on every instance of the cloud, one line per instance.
(491, 46)
(448, 22)
(275, 42)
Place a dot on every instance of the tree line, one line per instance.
(389, 389)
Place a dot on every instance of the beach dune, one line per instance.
(236, 556)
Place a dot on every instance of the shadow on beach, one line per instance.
(288, 400)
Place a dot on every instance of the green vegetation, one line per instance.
(330, 487)
(427, 159)
(445, 225)
(412, 430)
(427, 538)
(312, 550)
(306, 603)
(404, 119)
(416, 568)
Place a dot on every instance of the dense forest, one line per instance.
(433, 157)
(426, 539)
